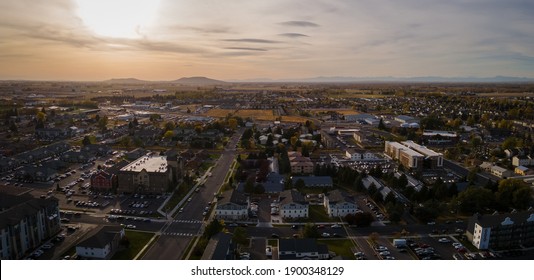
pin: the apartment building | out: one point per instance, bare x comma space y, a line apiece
502, 231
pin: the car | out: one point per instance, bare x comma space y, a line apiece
389, 258
204, 213
431, 223
335, 226
359, 254
130, 226
294, 227
320, 226
233, 225
325, 234
296, 236
47, 246
181, 210
444, 240
384, 253
459, 230
189, 199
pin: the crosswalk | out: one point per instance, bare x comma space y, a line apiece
178, 234
187, 221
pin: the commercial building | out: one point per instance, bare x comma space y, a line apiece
25, 221
150, 174
435, 159
502, 231
103, 181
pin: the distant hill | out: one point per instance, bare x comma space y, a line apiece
126, 81
429, 79
198, 81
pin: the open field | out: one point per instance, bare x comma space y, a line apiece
260, 115
339, 111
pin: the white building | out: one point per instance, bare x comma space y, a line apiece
501, 231
233, 206
292, 205
102, 244
339, 204
360, 155
500, 172
522, 160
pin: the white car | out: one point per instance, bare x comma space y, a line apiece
444, 240
335, 226
325, 234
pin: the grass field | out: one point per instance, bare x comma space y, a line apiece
339, 111
138, 240
342, 247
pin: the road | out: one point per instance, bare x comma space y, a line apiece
178, 233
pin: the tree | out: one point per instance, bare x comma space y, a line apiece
359, 219
86, 140
103, 123
168, 134
240, 236
214, 227
169, 126
381, 124
513, 193
475, 199
299, 184
232, 123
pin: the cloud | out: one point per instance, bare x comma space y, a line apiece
252, 40
247, 49
293, 35
298, 23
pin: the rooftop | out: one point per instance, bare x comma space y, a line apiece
422, 149
150, 163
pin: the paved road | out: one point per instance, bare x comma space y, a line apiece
177, 234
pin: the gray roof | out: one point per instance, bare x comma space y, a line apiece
15, 206
314, 180
291, 196
232, 196
488, 221
101, 236
337, 196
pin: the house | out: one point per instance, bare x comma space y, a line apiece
76, 157
96, 149
486, 166
501, 231
360, 155
35, 174
500, 172
406, 119
103, 181
339, 204
300, 164
26, 221
301, 249
274, 183
102, 243
220, 247
233, 206
523, 171
292, 205
51, 133
314, 181
522, 160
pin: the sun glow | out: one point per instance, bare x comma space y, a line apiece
118, 18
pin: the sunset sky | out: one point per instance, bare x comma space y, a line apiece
277, 39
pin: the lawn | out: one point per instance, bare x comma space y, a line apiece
138, 240
317, 213
342, 247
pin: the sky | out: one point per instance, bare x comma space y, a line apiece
276, 39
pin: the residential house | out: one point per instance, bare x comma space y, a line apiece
97, 150
314, 181
501, 231
523, 171
300, 164
25, 221
522, 160
76, 157
500, 172
233, 206
102, 243
301, 249
292, 205
339, 204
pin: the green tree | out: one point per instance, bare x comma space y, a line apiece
240, 236
214, 227
513, 193
475, 199
86, 140
168, 134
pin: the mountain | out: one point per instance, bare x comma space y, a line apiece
198, 81
126, 81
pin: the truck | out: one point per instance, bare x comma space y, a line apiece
399, 243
